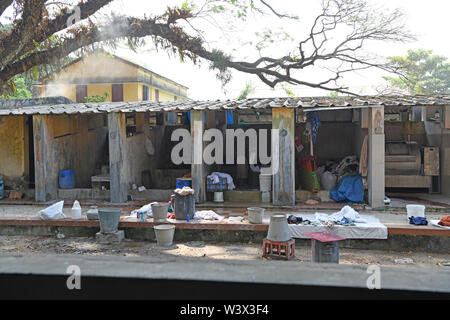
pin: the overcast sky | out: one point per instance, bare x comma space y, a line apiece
428, 20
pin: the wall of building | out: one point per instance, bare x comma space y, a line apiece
77, 143
14, 151
99, 90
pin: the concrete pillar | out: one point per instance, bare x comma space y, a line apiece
198, 168
118, 158
46, 173
376, 174
283, 156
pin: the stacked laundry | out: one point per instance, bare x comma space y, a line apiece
214, 176
330, 174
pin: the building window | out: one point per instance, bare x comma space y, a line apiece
145, 95
130, 120
117, 92
81, 93
156, 95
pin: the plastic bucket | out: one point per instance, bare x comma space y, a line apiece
66, 179
415, 210
184, 206
265, 182
255, 215
109, 219
218, 196
164, 234
159, 211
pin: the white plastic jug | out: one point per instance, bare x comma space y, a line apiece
76, 210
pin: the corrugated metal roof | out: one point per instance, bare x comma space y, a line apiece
306, 103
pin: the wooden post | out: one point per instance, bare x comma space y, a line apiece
283, 156
118, 158
376, 174
198, 169
46, 173
445, 117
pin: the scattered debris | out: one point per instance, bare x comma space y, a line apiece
60, 236
404, 261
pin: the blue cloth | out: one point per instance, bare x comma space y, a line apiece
313, 118
418, 220
349, 190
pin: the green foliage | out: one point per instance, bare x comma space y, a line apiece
19, 89
246, 91
425, 73
333, 94
219, 62
96, 98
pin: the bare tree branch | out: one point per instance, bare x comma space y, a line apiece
360, 22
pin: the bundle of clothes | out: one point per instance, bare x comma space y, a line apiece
347, 216
343, 180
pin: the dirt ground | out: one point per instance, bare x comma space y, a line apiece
249, 251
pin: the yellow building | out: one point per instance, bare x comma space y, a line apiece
122, 80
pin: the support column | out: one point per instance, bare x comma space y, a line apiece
118, 158
198, 168
283, 156
376, 173
46, 174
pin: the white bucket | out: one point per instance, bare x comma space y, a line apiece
218, 196
265, 182
255, 215
415, 210
164, 234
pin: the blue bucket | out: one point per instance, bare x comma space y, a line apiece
66, 179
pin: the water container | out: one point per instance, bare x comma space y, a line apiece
415, 210
76, 210
66, 179
109, 219
184, 206
2, 188
265, 182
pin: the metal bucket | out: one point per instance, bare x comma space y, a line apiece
109, 219
164, 234
278, 228
159, 211
255, 215
184, 206
327, 252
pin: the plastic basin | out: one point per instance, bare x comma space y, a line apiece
109, 219
164, 234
